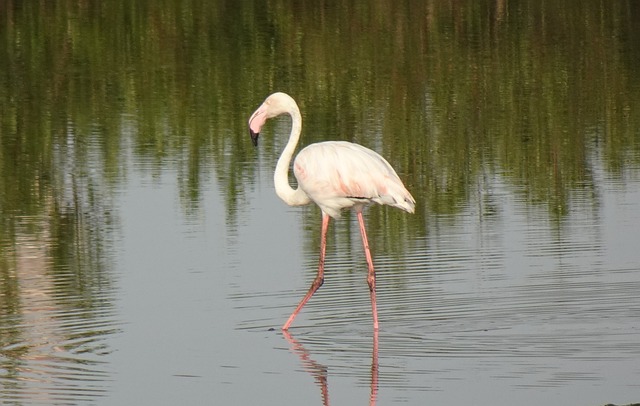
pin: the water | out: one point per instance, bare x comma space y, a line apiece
145, 258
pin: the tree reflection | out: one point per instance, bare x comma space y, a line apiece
446, 91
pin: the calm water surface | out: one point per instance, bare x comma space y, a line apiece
145, 258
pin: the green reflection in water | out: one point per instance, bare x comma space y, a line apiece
447, 92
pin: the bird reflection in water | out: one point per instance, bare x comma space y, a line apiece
319, 371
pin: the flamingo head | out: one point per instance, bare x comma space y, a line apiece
274, 105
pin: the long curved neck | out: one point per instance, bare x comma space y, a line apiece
293, 197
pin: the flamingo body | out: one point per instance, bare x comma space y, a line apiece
338, 175
335, 175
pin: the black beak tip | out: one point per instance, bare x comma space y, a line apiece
254, 138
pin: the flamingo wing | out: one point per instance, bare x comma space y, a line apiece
340, 174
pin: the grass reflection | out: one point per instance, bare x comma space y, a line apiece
447, 92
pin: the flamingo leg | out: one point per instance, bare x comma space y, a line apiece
371, 277
319, 280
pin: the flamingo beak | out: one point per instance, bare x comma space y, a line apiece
254, 137
255, 124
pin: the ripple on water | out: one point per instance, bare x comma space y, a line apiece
533, 312
53, 330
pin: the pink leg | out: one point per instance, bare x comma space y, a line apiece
319, 280
371, 277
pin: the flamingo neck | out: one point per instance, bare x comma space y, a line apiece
293, 197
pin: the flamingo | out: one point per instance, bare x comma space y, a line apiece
335, 175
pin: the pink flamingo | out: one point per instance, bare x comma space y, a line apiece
335, 175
